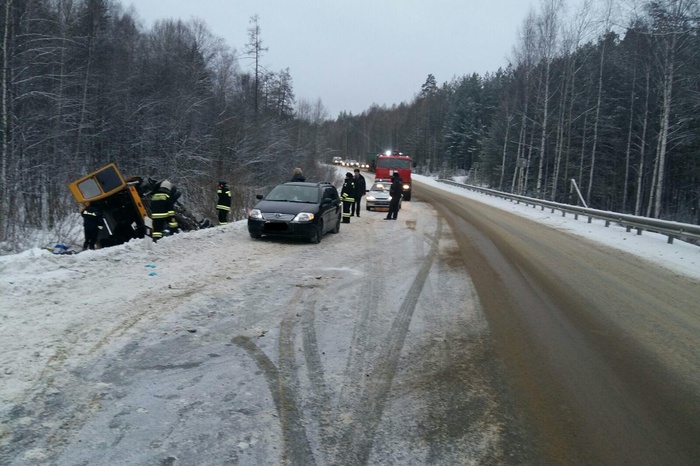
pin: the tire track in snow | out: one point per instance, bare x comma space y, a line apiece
357, 439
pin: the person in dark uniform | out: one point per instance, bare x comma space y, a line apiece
92, 224
223, 204
298, 175
347, 195
360, 190
395, 193
162, 210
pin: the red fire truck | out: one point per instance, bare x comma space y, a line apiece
391, 162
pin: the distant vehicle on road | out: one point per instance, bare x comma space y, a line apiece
302, 210
378, 195
337, 160
395, 162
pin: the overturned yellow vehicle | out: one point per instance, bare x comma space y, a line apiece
124, 205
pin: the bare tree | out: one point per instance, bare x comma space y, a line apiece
672, 31
606, 23
5, 122
548, 33
525, 58
254, 49
573, 36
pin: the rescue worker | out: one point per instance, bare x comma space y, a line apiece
298, 175
395, 193
223, 204
347, 195
360, 190
92, 224
162, 211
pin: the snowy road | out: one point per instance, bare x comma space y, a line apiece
420, 341
213, 348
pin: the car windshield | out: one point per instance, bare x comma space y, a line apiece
290, 193
393, 163
383, 186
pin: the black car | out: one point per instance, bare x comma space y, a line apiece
305, 210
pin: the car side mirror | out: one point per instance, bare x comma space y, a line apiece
258, 196
326, 201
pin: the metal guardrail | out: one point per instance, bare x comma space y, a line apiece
673, 230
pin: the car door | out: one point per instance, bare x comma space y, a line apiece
330, 214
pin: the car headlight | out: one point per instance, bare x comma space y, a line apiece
303, 217
406, 187
371, 198
256, 214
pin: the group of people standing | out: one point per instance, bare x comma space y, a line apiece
354, 187
162, 205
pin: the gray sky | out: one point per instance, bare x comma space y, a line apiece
353, 53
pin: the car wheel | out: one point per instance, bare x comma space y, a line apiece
368, 208
407, 197
255, 235
337, 227
318, 234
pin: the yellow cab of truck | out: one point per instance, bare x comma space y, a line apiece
124, 212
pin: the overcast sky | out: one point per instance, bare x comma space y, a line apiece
353, 53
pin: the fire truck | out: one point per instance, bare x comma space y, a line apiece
392, 162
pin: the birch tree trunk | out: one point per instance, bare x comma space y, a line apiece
5, 155
595, 124
548, 34
642, 147
628, 148
669, 71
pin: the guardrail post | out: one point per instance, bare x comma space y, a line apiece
670, 239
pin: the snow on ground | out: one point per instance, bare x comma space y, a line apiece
54, 302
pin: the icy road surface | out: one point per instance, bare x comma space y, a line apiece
213, 348
456, 335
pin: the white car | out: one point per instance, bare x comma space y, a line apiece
378, 196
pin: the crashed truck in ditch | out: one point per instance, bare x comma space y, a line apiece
124, 203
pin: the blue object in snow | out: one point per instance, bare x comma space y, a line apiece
60, 249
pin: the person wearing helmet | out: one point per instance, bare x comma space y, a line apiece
163, 211
347, 195
223, 204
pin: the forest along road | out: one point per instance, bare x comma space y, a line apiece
601, 348
455, 335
